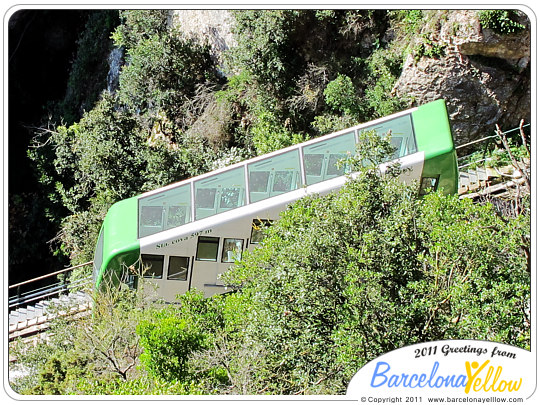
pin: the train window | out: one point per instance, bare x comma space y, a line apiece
230, 197
178, 268
205, 198
219, 193
321, 158
176, 216
281, 171
207, 248
428, 184
151, 216
257, 228
401, 134
335, 165
258, 182
164, 210
232, 250
152, 265
313, 164
283, 181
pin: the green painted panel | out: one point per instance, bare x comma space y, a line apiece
434, 137
443, 167
120, 244
432, 129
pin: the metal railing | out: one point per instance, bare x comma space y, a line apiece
51, 290
477, 141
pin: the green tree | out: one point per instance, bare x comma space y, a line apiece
343, 278
162, 69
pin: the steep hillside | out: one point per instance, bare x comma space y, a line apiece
199, 89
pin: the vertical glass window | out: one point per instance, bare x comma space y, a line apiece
274, 176
178, 268
321, 158
207, 248
165, 210
232, 250
220, 192
257, 228
401, 134
152, 265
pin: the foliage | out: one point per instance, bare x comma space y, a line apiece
344, 278
340, 95
162, 68
501, 21
173, 335
266, 46
383, 70
428, 48
167, 342
105, 157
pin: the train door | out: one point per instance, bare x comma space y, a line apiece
214, 256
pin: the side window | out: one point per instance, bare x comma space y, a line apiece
274, 175
207, 248
257, 228
152, 266
321, 158
401, 134
178, 268
232, 250
220, 192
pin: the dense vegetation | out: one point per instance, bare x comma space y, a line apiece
339, 279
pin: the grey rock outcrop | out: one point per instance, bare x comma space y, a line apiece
483, 76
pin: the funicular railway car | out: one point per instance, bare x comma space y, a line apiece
188, 233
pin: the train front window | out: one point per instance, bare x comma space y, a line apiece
152, 266
178, 268
207, 248
401, 134
232, 250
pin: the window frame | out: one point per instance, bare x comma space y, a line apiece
169, 268
225, 245
214, 240
262, 223
162, 259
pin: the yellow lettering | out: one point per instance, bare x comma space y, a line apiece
470, 375
490, 382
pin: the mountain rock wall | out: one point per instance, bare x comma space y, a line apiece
483, 76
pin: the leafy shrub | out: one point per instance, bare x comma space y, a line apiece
167, 342
501, 21
340, 95
343, 278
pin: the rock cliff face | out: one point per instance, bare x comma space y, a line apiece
483, 76
211, 26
